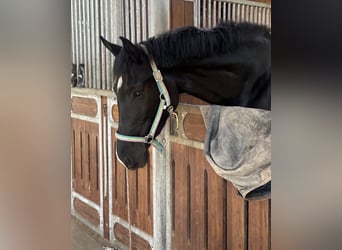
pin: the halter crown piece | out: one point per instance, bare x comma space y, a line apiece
164, 104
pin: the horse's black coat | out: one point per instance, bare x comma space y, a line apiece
227, 65
190, 43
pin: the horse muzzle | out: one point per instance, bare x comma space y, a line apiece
132, 155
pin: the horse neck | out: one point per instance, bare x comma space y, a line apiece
224, 80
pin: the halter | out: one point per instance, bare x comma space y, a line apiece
164, 104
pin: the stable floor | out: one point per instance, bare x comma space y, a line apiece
83, 238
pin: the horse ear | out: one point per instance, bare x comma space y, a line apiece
115, 49
132, 50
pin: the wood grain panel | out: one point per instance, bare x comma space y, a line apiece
115, 113
189, 99
236, 220
142, 217
198, 226
181, 196
87, 212
119, 184
199, 210
216, 205
85, 160
121, 233
259, 225
188, 13
177, 13
194, 127
84, 106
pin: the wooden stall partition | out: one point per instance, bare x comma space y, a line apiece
87, 162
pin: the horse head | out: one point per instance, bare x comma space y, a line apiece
138, 98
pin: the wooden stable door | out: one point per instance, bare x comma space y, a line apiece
87, 201
99, 188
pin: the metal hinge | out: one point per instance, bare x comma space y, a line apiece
77, 76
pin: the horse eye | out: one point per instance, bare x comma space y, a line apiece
138, 93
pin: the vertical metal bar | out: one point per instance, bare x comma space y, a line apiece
92, 38
103, 8
127, 33
115, 16
101, 163
196, 21
132, 16
108, 34
160, 16
73, 32
84, 41
224, 17
198, 14
214, 14
97, 45
219, 11
76, 34
85, 36
204, 13
144, 20
102, 47
234, 12
89, 66
159, 200
80, 32
149, 18
209, 14
138, 14
229, 17
123, 11
269, 17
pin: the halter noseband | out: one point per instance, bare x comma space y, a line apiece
164, 104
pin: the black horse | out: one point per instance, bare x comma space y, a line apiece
229, 65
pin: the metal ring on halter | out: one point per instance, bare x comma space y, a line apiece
149, 139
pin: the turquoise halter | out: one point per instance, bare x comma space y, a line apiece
164, 104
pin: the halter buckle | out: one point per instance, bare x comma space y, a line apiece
149, 139
158, 77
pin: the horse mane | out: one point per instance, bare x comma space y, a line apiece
185, 44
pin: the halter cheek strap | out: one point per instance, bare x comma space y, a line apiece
164, 104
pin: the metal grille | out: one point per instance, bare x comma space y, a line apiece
92, 63
136, 19
209, 12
